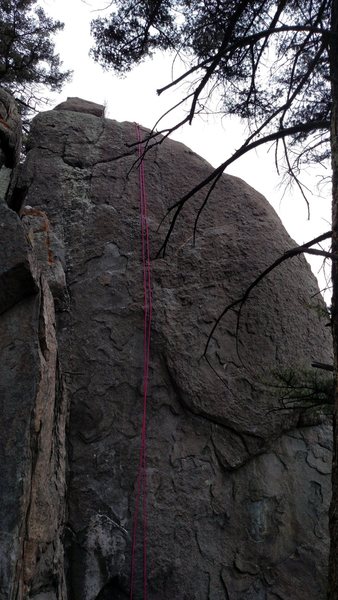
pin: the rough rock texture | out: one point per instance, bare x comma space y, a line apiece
33, 412
47, 252
10, 130
83, 106
32, 446
238, 491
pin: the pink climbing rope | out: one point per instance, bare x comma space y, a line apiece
141, 490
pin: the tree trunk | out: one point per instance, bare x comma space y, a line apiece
333, 564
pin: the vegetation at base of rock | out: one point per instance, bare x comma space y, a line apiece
28, 62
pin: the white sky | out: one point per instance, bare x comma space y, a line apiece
134, 98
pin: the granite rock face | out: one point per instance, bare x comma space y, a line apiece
82, 106
33, 413
237, 489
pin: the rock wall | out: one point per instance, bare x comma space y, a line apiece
33, 409
238, 490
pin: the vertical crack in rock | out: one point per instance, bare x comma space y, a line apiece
42, 563
33, 401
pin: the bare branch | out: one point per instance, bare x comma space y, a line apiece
216, 174
182, 77
304, 248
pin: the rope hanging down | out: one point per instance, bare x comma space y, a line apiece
141, 490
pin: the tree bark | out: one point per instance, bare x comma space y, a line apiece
333, 55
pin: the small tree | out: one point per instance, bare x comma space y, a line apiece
28, 62
274, 64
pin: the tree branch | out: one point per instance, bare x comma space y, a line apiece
304, 248
217, 173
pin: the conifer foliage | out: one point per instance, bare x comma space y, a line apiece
267, 59
28, 62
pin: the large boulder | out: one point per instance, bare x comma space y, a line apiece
83, 106
237, 486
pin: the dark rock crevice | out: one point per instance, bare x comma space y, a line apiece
112, 590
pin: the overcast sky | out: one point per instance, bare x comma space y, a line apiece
134, 98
